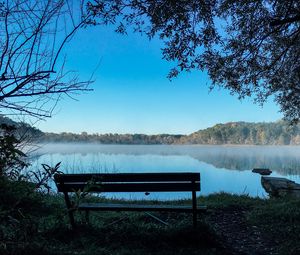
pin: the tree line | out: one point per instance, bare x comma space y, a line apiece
272, 133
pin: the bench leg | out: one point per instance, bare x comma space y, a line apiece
87, 216
194, 198
194, 219
70, 210
116, 221
156, 218
71, 216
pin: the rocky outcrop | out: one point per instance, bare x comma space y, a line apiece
280, 187
262, 171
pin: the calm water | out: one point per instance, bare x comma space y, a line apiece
222, 168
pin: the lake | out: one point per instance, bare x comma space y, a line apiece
222, 168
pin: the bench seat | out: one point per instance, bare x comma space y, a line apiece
138, 207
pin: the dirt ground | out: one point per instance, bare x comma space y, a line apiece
237, 235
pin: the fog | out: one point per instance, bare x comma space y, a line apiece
222, 168
282, 159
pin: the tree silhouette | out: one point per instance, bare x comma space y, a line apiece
251, 47
32, 37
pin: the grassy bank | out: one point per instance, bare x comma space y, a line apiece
34, 223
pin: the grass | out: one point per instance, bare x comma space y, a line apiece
34, 223
280, 221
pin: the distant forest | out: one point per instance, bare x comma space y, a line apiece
273, 133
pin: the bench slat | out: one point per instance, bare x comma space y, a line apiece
128, 177
138, 207
131, 187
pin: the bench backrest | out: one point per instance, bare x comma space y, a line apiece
128, 182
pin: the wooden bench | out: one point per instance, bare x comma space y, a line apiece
130, 182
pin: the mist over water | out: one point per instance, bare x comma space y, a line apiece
222, 168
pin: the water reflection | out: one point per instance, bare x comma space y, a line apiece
282, 159
222, 168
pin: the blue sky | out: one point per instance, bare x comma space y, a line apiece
132, 94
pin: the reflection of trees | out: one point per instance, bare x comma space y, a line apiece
282, 159
285, 165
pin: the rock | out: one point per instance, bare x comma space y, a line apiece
280, 187
262, 171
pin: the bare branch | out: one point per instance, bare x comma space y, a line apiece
31, 72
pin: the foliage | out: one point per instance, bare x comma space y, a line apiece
43, 229
110, 138
249, 47
20, 210
274, 133
23, 212
12, 159
40, 226
42, 178
20, 192
22, 130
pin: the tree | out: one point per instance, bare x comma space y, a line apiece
251, 47
32, 37
12, 159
